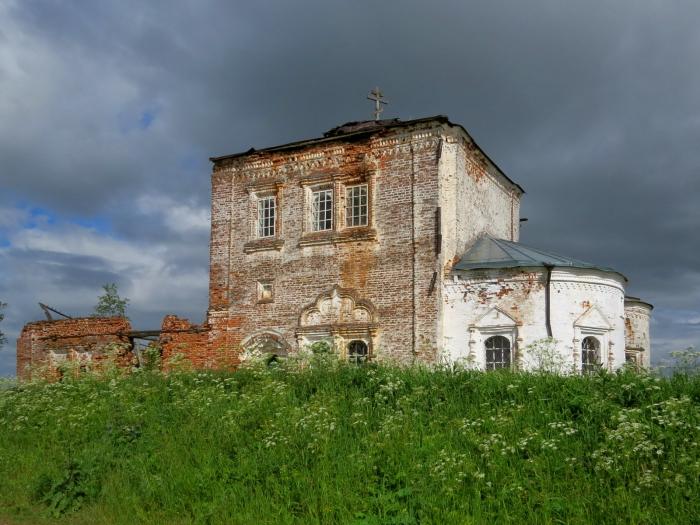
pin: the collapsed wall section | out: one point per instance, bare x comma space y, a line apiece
44, 347
193, 345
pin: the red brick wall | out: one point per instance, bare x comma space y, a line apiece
180, 339
402, 171
81, 338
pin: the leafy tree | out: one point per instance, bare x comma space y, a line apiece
3, 339
110, 304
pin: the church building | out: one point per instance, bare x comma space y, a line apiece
381, 240
399, 240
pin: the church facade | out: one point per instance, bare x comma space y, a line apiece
399, 240
380, 240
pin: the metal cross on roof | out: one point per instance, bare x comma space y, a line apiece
377, 96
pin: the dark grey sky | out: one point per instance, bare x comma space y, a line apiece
109, 111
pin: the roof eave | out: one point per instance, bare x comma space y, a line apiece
511, 266
320, 140
443, 119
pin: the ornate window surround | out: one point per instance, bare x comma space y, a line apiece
263, 190
338, 317
593, 323
494, 322
264, 340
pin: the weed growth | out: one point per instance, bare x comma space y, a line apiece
319, 441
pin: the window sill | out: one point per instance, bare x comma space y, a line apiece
336, 237
263, 245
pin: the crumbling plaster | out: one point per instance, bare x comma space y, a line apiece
520, 295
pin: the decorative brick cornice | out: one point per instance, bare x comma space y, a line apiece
293, 163
402, 145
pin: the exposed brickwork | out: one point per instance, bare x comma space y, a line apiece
44, 345
394, 264
181, 339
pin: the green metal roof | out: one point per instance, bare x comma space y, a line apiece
488, 252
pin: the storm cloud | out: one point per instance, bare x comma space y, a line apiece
109, 111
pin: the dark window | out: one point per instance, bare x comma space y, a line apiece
265, 292
497, 352
357, 351
590, 355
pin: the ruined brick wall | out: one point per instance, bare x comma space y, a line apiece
186, 344
44, 345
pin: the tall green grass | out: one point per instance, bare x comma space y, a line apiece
331, 443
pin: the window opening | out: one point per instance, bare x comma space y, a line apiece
357, 352
266, 216
356, 205
590, 361
322, 218
497, 352
265, 292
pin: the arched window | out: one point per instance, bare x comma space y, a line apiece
357, 351
590, 355
497, 352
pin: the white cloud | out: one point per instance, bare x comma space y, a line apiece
64, 264
11, 218
179, 217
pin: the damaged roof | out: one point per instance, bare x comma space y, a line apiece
358, 129
489, 252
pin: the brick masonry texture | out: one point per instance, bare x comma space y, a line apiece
43, 344
394, 264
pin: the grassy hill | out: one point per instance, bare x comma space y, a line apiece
333, 443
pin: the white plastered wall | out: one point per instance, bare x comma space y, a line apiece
583, 302
474, 199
